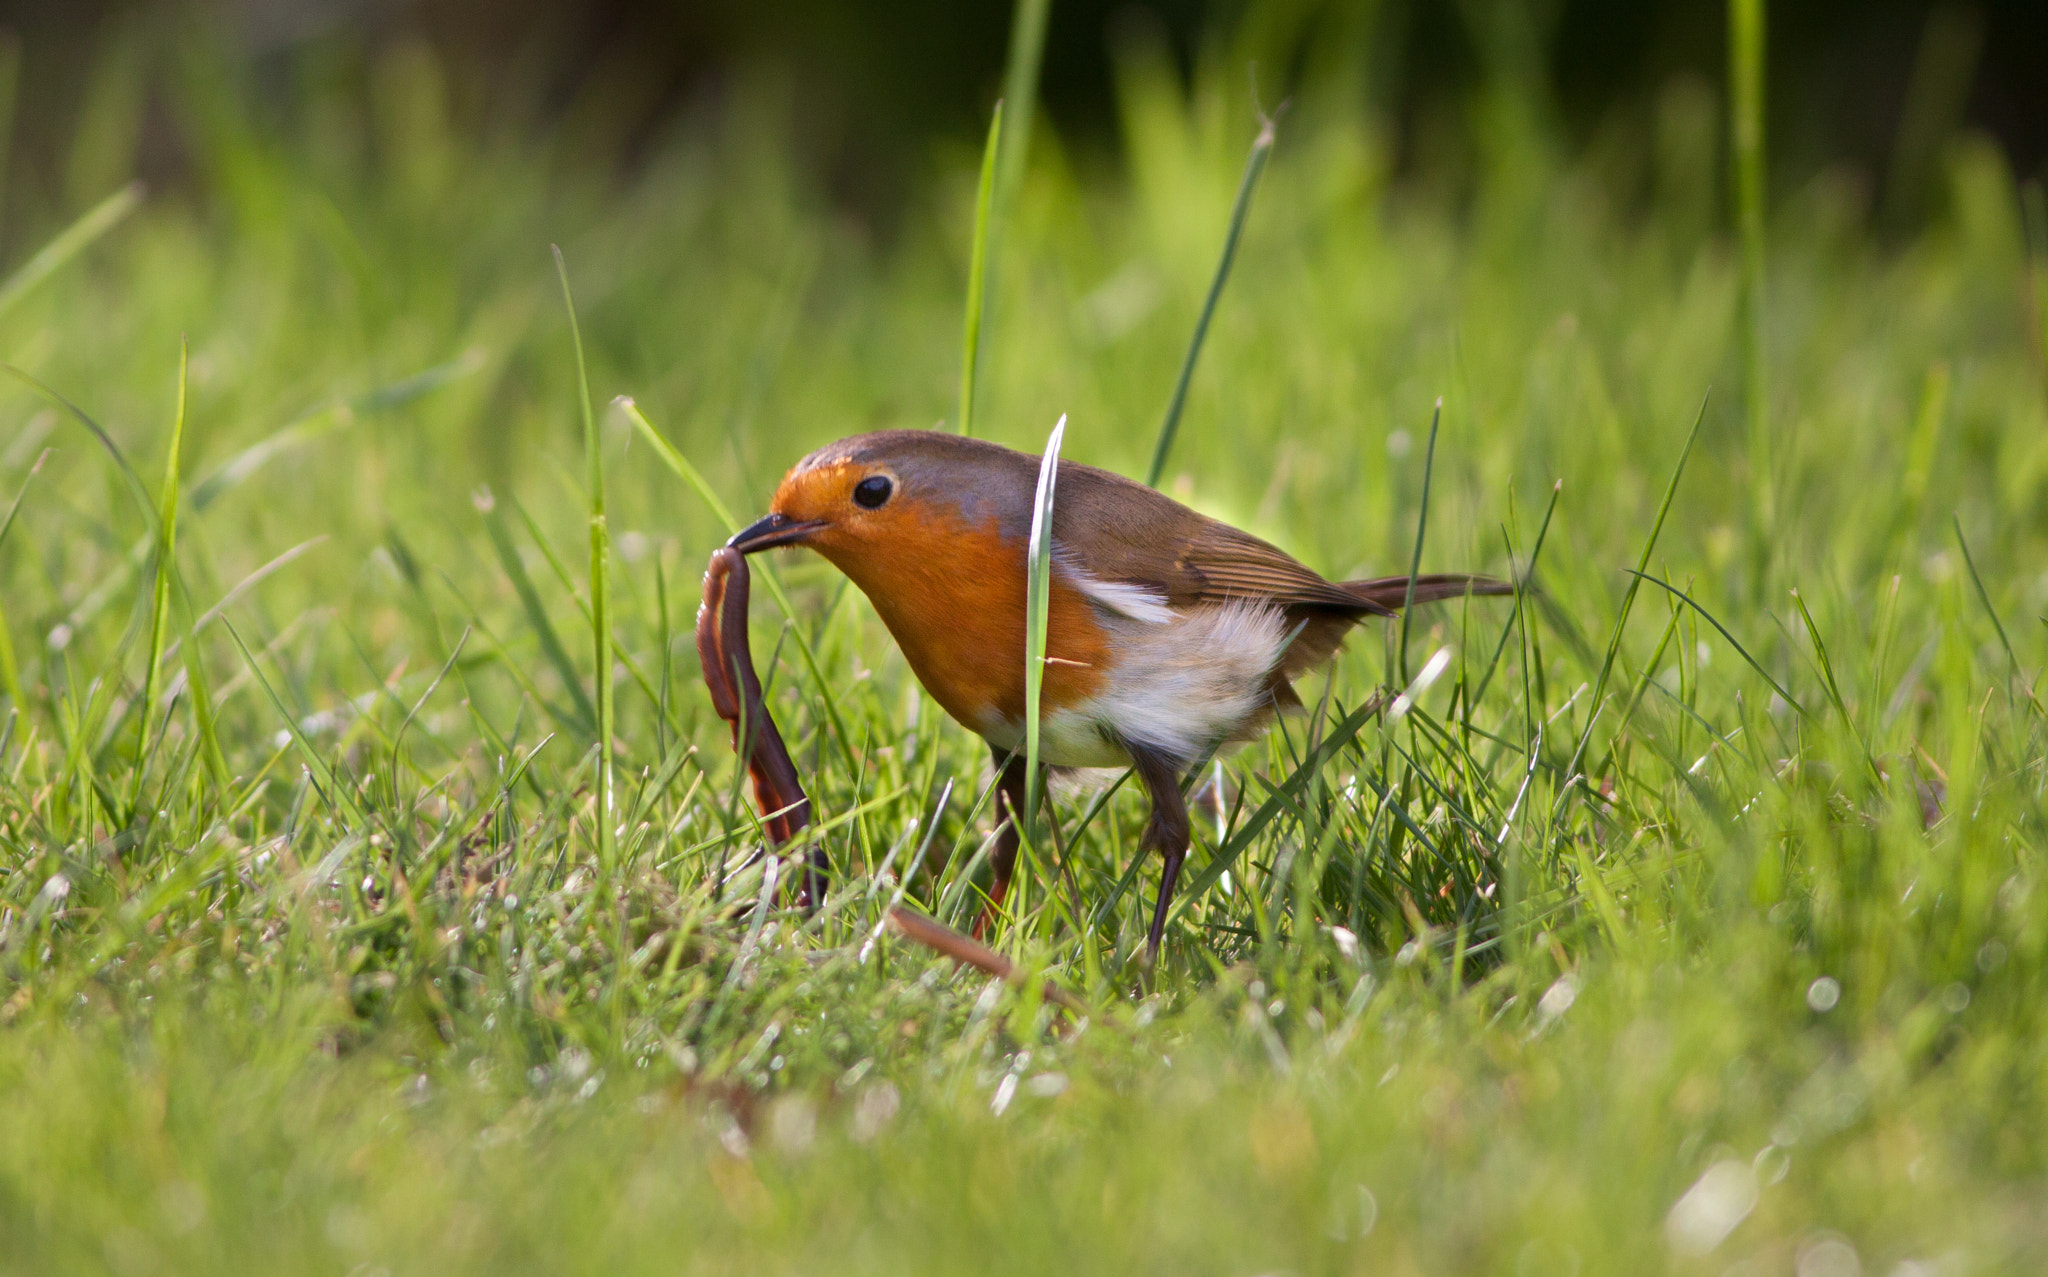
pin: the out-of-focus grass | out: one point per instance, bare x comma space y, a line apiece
1677, 974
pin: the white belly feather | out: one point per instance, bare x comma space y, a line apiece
1183, 681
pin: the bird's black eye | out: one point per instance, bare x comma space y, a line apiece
872, 491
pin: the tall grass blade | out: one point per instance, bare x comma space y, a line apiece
166, 567
1020, 90
585, 719
1937, 90
677, 462
600, 564
1254, 165
1522, 586
1746, 119
977, 266
1635, 582
200, 689
1733, 642
1984, 597
323, 419
339, 796
1436, 417
10, 101
2034, 210
1037, 612
1921, 453
14, 507
10, 670
1282, 797
69, 243
137, 490
1834, 690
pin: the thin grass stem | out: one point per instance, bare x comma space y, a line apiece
69, 243
600, 564
1628, 599
160, 587
1254, 165
1037, 613
1746, 46
977, 267
1436, 417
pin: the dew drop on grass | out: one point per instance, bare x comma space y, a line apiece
793, 1123
1823, 994
1719, 1200
1558, 998
1047, 1085
1828, 1256
1353, 1213
875, 1109
1772, 1164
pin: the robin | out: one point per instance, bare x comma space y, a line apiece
1169, 633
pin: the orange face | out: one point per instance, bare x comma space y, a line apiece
853, 505
951, 591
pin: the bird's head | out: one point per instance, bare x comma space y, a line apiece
891, 493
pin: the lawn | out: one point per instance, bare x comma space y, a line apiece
1685, 915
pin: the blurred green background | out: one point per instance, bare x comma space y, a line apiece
872, 87
1704, 938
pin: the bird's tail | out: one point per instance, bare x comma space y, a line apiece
1388, 593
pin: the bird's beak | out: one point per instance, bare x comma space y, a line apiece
772, 530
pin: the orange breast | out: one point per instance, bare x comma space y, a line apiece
952, 595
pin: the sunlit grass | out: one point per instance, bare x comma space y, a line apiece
317, 949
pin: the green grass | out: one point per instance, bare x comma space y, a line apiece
1664, 929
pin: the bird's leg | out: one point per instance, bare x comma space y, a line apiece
1167, 830
1002, 858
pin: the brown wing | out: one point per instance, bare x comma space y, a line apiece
1123, 531
1234, 564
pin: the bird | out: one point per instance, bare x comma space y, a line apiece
1169, 635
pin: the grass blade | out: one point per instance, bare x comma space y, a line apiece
1254, 165
600, 563
14, 508
1834, 691
1037, 611
10, 102
1740, 650
136, 488
676, 461
1283, 795
537, 616
977, 266
2034, 213
1746, 110
1628, 600
1436, 417
10, 671
1984, 597
1020, 90
1523, 586
69, 243
160, 588
338, 796
322, 419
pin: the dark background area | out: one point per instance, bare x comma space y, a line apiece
872, 83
